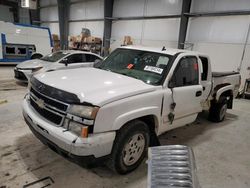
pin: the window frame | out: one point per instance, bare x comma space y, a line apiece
95, 56
73, 55
205, 68
175, 69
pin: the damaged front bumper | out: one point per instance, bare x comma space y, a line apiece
66, 143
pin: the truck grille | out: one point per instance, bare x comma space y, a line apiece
61, 106
171, 166
52, 110
47, 114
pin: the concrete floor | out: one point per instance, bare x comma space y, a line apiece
222, 150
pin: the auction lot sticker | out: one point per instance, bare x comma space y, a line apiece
153, 69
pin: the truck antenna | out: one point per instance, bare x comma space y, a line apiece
163, 48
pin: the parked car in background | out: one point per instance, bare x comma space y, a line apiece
66, 59
116, 111
20, 42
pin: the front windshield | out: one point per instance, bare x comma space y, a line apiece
143, 65
53, 57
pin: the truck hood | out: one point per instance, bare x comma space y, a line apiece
32, 64
95, 86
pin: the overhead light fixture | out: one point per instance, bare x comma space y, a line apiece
25, 3
31, 4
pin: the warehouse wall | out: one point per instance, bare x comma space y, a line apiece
87, 9
158, 32
50, 14
6, 14
24, 16
222, 38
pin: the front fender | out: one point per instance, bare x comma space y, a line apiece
135, 114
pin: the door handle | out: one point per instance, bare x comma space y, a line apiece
198, 93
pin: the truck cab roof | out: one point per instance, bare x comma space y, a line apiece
167, 51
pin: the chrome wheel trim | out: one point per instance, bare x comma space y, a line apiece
133, 149
223, 111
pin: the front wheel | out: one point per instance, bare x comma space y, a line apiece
218, 110
130, 147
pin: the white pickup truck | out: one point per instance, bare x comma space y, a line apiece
117, 110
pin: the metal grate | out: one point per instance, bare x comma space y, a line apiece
171, 167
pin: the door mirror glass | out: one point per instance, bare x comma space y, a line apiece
97, 62
65, 62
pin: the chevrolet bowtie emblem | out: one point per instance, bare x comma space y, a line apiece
40, 103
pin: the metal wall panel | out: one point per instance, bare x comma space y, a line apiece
54, 27
5, 14
132, 28
228, 29
163, 7
24, 16
96, 28
49, 14
47, 2
219, 5
87, 10
126, 8
161, 29
157, 32
160, 32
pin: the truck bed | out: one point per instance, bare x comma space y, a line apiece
221, 74
226, 78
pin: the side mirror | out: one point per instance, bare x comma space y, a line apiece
65, 62
97, 62
171, 84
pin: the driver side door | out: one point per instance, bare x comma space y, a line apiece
182, 99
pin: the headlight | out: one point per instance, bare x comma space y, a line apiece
36, 69
88, 112
78, 129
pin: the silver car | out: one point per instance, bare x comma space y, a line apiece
66, 59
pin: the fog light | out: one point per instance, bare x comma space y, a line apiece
78, 129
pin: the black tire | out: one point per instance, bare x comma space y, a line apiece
36, 56
217, 110
124, 135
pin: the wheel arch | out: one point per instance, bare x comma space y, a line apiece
152, 122
36, 54
226, 91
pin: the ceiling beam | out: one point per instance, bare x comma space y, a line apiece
186, 4
108, 12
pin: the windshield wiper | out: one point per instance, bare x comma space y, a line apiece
129, 75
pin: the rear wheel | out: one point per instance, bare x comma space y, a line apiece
130, 147
218, 110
